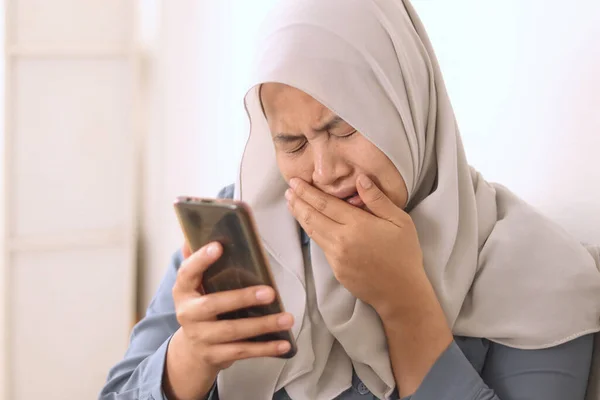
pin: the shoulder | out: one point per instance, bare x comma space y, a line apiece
227, 192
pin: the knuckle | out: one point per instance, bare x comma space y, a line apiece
182, 274
181, 316
300, 190
321, 204
292, 203
340, 243
201, 335
307, 217
229, 330
377, 195
210, 358
208, 306
240, 352
341, 239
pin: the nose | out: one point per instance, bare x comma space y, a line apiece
329, 167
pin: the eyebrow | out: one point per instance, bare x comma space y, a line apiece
325, 126
328, 125
287, 137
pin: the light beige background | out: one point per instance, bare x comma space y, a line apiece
114, 107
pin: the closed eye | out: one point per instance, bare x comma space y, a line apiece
302, 146
298, 149
290, 143
294, 144
346, 135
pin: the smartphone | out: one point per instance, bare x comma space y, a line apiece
243, 262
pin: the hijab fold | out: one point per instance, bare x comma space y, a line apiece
500, 269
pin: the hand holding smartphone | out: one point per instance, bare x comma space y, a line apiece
235, 277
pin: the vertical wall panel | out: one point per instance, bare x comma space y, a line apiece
69, 222
72, 145
68, 24
67, 314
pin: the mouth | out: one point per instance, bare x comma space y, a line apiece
355, 200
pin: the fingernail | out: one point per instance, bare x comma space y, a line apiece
293, 183
365, 182
264, 294
288, 194
285, 321
212, 250
283, 347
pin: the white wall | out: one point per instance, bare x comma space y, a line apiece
524, 81
69, 187
521, 75
200, 123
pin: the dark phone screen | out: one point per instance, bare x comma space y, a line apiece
240, 265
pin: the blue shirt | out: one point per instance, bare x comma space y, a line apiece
469, 369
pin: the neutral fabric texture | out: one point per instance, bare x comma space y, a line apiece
499, 268
469, 365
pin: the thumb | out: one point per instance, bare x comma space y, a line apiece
374, 198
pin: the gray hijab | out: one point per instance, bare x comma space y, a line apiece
500, 269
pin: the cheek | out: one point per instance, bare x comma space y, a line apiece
375, 163
294, 167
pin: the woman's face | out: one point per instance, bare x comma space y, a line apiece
314, 144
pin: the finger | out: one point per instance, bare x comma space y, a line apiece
315, 224
185, 250
330, 206
377, 201
189, 276
233, 330
229, 352
207, 307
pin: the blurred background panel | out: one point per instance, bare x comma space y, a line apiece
112, 108
66, 25
70, 194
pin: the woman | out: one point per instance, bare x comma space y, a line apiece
412, 277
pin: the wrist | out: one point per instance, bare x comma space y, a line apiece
417, 315
417, 336
413, 298
425, 325
185, 377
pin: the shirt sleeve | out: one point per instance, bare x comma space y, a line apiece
139, 375
556, 373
